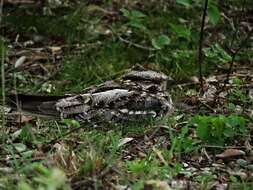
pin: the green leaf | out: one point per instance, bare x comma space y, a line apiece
186, 3
213, 14
181, 31
137, 14
132, 15
137, 24
203, 130
20, 147
24, 186
136, 166
125, 12
236, 121
217, 53
160, 41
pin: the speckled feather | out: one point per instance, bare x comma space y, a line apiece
137, 94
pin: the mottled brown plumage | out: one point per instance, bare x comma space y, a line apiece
138, 94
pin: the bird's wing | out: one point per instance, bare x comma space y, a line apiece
112, 104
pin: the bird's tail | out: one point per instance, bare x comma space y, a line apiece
34, 105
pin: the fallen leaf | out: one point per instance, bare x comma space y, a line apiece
124, 141
209, 94
24, 118
64, 157
181, 184
230, 153
20, 61
55, 49
157, 184
19, 147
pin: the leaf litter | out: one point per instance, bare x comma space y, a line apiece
219, 163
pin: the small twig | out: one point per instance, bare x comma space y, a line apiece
131, 43
203, 150
234, 53
237, 27
207, 106
200, 56
135, 44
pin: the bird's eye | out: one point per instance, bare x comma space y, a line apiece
86, 99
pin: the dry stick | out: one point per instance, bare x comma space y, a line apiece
130, 43
3, 75
135, 44
200, 57
234, 53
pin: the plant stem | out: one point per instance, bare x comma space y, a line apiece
200, 56
2, 75
234, 53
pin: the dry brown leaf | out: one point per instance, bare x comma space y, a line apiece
125, 141
64, 158
230, 153
20, 61
24, 119
159, 155
209, 95
157, 184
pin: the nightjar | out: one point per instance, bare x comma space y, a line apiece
136, 95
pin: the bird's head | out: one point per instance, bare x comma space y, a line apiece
148, 77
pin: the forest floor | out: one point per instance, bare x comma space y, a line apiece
206, 143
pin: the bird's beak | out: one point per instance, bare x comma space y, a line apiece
169, 82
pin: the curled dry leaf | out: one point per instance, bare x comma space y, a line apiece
121, 187
230, 153
194, 79
124, 141
182, 184
211, 79
64, 158
20, 61
55, 49
24, 119
209, 95
157, 184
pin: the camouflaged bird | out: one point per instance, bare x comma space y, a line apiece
138, 94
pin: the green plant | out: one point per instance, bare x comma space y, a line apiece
182, 143
213, 12
137, 167
160, 42
219, 129
44, 178
236, 93
135, 19
181, 31
216, 53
